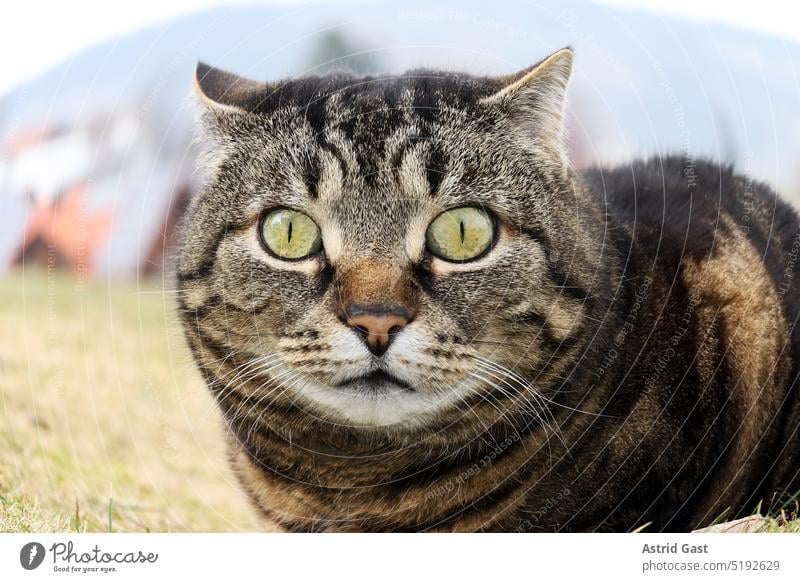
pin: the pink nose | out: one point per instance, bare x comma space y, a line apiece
377, 326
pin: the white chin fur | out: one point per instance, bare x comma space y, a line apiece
389, 407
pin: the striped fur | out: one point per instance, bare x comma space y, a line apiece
625, 354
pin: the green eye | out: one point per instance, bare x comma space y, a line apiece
460, 234
289, 234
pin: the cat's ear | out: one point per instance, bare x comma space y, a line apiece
535, 98
225, 93
223, 99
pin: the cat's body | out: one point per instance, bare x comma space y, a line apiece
625, 352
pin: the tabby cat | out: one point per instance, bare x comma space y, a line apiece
416, 316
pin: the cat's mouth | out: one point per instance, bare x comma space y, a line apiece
375, 379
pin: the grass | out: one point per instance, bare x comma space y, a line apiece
104, 423
773, 525
782, 518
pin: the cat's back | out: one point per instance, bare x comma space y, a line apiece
675, 214
689, 205
723, 254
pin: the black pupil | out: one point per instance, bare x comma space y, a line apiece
290, 233
461, 226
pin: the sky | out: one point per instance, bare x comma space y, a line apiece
36, 35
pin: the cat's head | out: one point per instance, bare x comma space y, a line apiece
383, 250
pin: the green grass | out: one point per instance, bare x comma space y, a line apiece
782, 518
104, 422
774, 525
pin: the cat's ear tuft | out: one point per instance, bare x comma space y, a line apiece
536, 97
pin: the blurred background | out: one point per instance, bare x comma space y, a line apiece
95, 160
105, 425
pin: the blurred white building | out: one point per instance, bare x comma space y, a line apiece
100, 197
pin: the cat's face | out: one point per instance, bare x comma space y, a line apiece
379, 251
